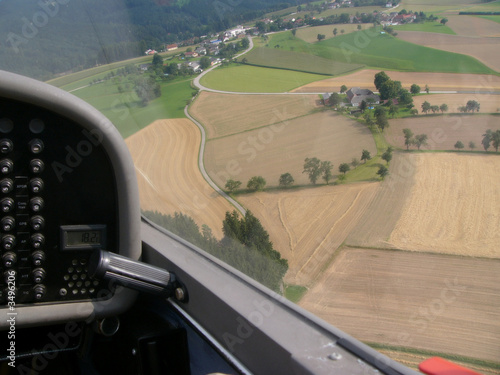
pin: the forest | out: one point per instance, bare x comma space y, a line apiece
245, 245
61, 36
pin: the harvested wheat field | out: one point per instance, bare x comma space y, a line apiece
482, 48
273, 150
473, 26
307, 225
310, 34
165, 155
226, 114
379, 219
443, 131
453, 208
479, 83
434, 302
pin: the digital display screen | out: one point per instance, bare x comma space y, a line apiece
81, 237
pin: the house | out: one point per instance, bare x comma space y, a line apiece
325, 97
356, 95
171, 47
191, 54
150, 52
144, 67
201, 50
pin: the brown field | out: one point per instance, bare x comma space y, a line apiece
473, 26
436, 81
482, 48
273, 150
310, 34
443, 131
434, 302
489, 103
165, 154
307, 225
377, 224
458, 196
226, 114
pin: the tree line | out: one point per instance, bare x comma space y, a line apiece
245, 245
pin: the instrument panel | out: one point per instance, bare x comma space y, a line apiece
67, 187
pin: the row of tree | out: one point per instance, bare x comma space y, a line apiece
245, 246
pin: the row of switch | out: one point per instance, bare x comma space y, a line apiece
35, 185
35, 146
36, 166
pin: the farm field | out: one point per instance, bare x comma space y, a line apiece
246, 78
473, 26
421, 301
430, 27
298, 61
307, 225
482, 48
165, 154
489, 103
273, 150
310, 34
225, 114
458, 196
443, 131
436, 81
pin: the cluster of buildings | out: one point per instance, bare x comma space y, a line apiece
394, 18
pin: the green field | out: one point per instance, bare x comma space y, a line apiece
494, 6
124, 110
373, 49
246, 78
429, 27
303, 62
491, 18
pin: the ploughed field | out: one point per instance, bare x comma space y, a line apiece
165, 155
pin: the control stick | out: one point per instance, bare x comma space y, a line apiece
133, 274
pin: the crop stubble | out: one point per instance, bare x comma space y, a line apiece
165, 154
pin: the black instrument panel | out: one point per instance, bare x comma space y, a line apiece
57, 203
67, 187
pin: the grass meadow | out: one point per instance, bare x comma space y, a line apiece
124, 109
429, 27
246, 78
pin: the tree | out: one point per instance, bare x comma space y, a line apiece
368, 119
443, 108
459, 145
383, 171
393, 110
294, 31
205, 62
408, 138
256, 183
414, 111
344, 167
232, 185
321, 37
326, 171
359, 27
343, 89
286, 180
487, 139
380, 79
495, 140
389, 89
426, 107
147, 89
443, 21
415, 89
157, 60
365, 155
405, 97
472, 106
472, 145
312, 166
434, 108
335, 32
363, 106
381, 119
387, 156
354, 162
334, 100
420, 140
427, 89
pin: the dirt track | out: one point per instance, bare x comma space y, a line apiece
165, 155
437, 81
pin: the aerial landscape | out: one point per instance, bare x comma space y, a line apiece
363, 135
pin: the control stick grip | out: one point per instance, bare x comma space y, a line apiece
133, 274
